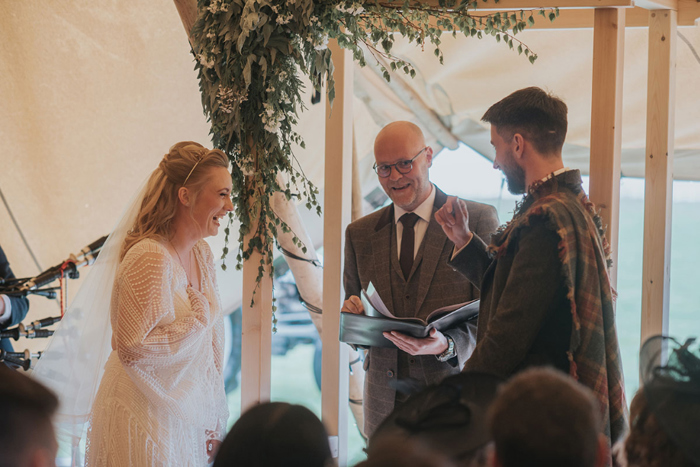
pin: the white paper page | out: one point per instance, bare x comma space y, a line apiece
375, 300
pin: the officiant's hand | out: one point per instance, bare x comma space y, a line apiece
453, 217
434, 344
353, 305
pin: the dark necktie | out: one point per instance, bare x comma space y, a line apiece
407, 242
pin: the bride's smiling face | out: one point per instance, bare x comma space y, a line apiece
213, 202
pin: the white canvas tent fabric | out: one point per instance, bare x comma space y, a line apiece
92, 94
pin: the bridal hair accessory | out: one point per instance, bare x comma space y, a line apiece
199, 159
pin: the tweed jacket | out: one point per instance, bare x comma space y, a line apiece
371, 256
546, 298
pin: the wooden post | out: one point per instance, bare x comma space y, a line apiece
256, 331
256, 319
661, 98
336, 216
606, 121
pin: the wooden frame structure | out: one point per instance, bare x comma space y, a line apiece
608, 18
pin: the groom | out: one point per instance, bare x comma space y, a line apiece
403, 252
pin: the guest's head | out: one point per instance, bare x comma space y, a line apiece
26, 429
397, 451
665, 413
402, 160
279, 434
528, 129
543, 418
190, 189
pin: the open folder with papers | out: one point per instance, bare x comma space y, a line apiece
366, 329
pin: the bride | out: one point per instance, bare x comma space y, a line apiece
161, 399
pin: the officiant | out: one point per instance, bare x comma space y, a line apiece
403, 252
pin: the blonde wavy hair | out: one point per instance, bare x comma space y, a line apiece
186, 164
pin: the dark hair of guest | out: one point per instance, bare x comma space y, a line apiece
543, 418
26, 410
279, 434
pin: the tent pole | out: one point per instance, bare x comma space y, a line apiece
606, 121
336, 217
661, 98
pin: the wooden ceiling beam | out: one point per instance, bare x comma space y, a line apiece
527, 4
583, 18
577, 14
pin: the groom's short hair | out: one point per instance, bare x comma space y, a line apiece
538, 116
26, 411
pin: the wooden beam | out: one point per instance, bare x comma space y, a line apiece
661, 98
256, 334
688, 15
336, 217
688, 12
188, 14
657, 4
525, 4
606, 121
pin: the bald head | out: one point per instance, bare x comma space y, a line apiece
404, 141
399, 131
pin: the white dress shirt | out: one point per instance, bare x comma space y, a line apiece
424, 211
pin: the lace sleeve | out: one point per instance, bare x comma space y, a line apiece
152, 343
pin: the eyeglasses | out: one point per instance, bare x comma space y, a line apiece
402, 167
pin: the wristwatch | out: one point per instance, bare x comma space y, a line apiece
450, 352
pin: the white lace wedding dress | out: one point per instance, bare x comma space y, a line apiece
162, 394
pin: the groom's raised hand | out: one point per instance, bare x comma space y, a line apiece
453, 217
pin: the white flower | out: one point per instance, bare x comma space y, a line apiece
354, 9
322, 44
211, 35
272, 126
206, 62
213, 6
229, 98
313, 19
284, 19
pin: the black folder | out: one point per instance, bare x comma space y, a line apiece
367, 330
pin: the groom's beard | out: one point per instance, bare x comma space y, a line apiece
515, 175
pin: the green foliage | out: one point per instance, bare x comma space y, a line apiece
250, 54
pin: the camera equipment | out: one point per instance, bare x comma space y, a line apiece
69, 267
20, 359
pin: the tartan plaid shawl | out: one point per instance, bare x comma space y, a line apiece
594, 353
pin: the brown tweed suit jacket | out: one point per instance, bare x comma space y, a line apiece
371, 256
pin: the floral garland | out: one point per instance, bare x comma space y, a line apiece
250, 54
